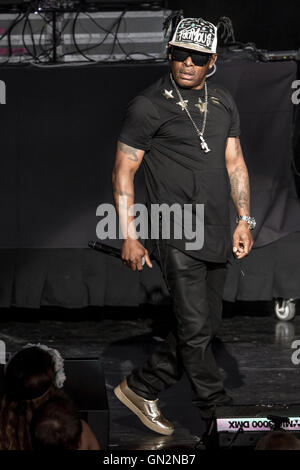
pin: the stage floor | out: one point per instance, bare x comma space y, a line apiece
253, 350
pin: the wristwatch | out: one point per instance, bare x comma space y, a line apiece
250, 220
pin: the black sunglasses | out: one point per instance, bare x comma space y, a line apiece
198, 58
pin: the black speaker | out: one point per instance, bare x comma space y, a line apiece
86, 385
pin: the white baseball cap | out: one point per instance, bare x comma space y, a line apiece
196, 34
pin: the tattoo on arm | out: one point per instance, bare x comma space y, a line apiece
240, 191
243, 200
239, 179
130, 151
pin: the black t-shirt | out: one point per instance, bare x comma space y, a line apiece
176, 168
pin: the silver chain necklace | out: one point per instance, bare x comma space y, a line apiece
183, 104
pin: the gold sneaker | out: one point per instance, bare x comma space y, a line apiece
146, 410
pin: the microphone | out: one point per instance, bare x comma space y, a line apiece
108, 249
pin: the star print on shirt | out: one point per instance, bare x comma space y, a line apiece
168, 94
200, 105
215, 100
183, 104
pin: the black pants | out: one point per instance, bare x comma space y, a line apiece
196, 288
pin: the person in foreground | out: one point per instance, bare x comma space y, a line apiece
278, 440
185, 131
30, 380
57, 426
34, 377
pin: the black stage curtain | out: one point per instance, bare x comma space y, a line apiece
59, 130
267, 272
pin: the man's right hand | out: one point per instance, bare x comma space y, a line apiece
132, 254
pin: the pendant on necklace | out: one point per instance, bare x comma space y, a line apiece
204, 145
183, 104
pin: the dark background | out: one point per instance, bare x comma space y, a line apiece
59, 130
58, 134
271, 25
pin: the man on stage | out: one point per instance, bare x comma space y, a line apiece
186, 133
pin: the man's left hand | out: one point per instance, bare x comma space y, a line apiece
242, 240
